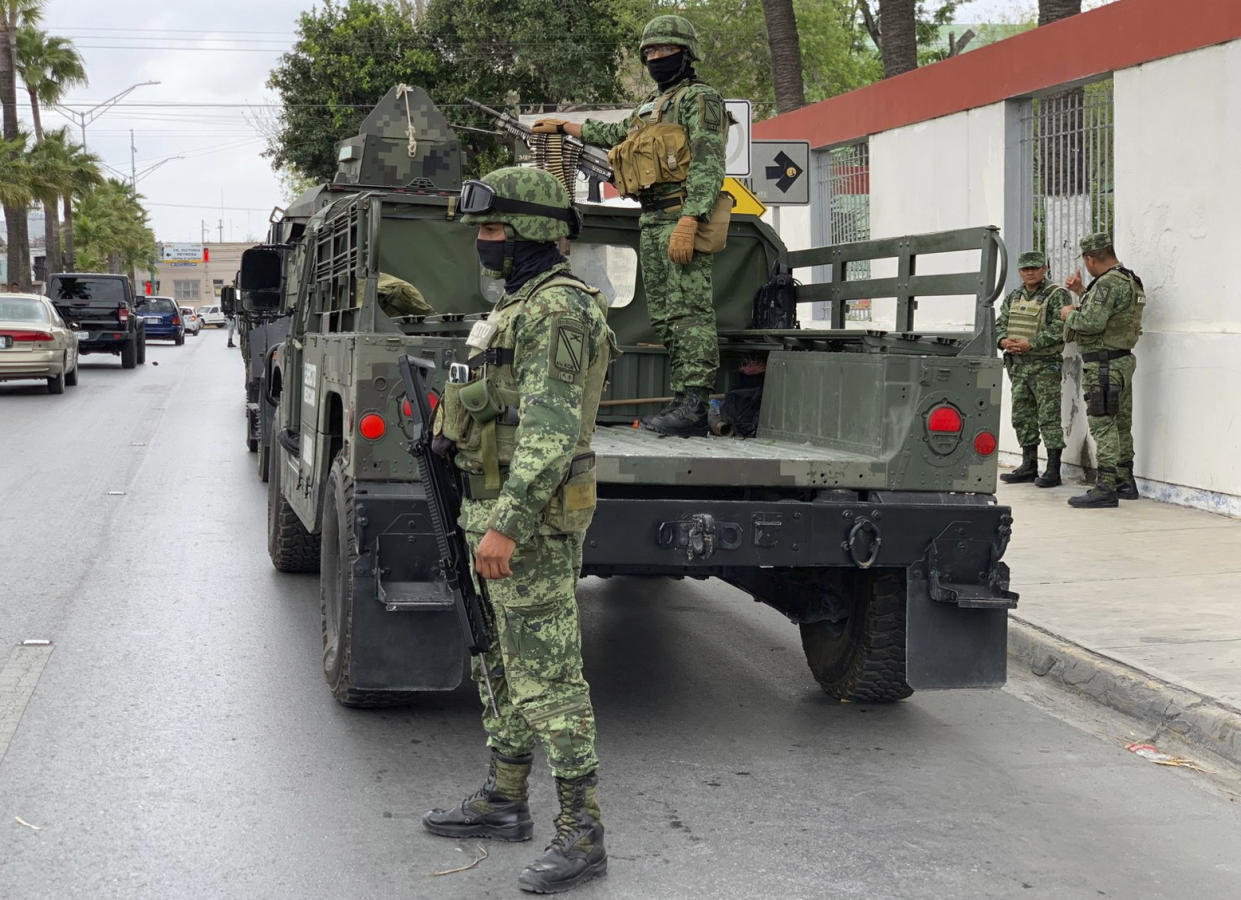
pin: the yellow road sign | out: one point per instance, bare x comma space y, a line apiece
744, 200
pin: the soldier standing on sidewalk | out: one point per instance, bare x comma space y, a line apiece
1031, 334
522, 427
674, 142
1106, 327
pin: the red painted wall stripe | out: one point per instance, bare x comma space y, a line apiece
1117, 36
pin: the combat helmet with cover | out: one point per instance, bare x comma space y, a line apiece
668, 29
532, 202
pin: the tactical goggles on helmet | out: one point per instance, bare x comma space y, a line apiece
479, 198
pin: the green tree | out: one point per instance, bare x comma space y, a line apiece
14, 173
51, 172
112, 229
84, 176
347, 56
49, 66
14, 14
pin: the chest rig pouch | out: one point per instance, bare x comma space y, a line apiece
655, 152
1026, 315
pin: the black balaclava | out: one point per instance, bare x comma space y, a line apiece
528, 258
667, 70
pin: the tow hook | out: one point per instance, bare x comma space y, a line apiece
699, 535
863, 543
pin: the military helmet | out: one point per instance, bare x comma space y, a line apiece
675, 30
532, 201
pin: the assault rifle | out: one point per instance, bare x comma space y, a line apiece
441, 484
591, 161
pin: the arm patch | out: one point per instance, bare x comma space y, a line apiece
711, 113
566, 361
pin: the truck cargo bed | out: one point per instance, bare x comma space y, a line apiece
626, 455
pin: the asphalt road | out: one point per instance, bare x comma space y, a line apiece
179, 740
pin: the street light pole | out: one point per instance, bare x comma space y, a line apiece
84, 118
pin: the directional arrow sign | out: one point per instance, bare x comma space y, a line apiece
778, 172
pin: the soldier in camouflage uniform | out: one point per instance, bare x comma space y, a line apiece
686, 120
1106, 327
522, 426
1031, 335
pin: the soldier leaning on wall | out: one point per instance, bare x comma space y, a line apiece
1107, 326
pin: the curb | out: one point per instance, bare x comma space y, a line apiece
1195, 718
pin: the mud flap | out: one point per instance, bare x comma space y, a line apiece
959, 640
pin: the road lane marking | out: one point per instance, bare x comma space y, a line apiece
17, 682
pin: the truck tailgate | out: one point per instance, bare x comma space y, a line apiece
626, 455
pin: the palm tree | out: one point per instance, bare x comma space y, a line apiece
14, 14
1053, 10
785, 48
51, 177
84, 176
14, 173
114, 231
49, 66
899, 44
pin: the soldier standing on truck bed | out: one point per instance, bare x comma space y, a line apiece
1106, 327
669, 154
522, 426
1031, 334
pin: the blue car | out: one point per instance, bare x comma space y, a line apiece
162, 318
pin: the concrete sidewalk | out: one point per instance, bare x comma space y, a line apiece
1137, 607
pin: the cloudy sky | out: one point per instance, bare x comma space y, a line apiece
212, 60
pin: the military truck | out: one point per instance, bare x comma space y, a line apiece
863, 509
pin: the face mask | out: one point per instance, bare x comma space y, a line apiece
666, 68
491, 255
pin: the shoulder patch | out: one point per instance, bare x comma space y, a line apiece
566, 359
711, 112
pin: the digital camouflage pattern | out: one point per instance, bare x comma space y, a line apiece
397, 297
561, 346
674, 30
380, 154
532, 186
1092, 243
1036, 375
1032, 259
679, 298
1109, 318
1113, 435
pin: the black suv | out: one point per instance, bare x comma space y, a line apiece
101, 305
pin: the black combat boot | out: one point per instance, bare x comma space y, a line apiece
1101, 496
1051, 476
1027, 471
686, 419
576, 853
1126, 484
496, 810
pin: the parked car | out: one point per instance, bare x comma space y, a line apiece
100, 306
36, 343
162, 317
189, 318
212, 315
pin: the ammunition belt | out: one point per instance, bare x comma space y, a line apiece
664, 203
1105, 355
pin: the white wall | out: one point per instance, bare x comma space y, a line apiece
1178, 184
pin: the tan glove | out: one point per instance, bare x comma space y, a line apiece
681, 244
549, 126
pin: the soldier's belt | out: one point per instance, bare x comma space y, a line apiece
474, 486
1105, 355
664, 203
495, 356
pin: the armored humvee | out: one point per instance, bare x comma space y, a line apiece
863, 509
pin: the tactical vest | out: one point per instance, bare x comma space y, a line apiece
1027, 314
1125, 325
655, 152
481, 416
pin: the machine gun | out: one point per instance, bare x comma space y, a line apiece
562, 155
441, 485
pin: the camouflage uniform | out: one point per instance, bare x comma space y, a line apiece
539, 363
1106, 327
679, 298
1036, 374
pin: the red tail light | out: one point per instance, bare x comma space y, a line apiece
433, 400
176, 320
122, 314
984, 443
371, 427
30, 336
944, 419
406, 410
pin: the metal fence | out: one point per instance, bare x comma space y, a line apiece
1067, 148
842, 180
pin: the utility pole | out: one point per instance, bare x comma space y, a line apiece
133, 162
82, 119
203, 230
221, 227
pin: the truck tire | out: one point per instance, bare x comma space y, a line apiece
264, 462
142, 347
862, 659
291, 547
129, 353
337, 560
